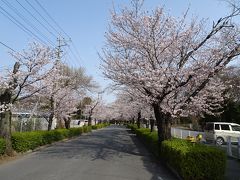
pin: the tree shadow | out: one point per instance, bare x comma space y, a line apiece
113, 143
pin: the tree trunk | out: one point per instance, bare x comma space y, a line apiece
6, 121
167, 126
89, 121
163, 124
60, 123
67, 122
151, 124
133, 121
5, 131
50, 121
139, 119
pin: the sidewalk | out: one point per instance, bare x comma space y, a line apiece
232, 169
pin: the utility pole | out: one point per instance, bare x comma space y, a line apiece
61, 43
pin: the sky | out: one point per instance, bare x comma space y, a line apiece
85, 22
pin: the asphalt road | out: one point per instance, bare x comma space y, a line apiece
107, 154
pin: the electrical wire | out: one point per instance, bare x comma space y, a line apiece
49, 24
50, 17
32, 15
75, 52
27, 21
7, 46
19, 24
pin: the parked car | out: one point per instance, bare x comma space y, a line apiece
219, 131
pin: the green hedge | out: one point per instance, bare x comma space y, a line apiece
191, 161
87, 129
25, 141
150, 139
194, 161
99, 126
2, 146
133, 127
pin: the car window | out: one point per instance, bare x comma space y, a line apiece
209, 126
235, 128
217, 127
225, 127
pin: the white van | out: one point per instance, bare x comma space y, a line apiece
219, 131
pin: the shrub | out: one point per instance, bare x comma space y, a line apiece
25, 141
2, 146
87, 129
99, 126
190, 160
22, 142
94, 127
150, 139
133, 127
194, 161
75, 131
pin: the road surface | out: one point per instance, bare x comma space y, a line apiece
107, 154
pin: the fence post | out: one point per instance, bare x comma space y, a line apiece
238, 147
181, 133
189, 133
21, 125
229, 146
174, 132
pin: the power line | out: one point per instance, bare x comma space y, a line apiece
19, 24
75, 53
41, 15
45, 27
32, 15
51, 18
26, 21
7, 46
76, 50
9, 18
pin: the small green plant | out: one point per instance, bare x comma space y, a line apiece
2, 146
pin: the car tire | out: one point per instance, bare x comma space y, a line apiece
219, 141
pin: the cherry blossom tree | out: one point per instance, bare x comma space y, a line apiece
170, 63
53, 84
128, 107
231, 78
21, 82
101, 112
64, 88
90, 107
66, 105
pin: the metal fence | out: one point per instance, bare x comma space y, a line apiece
182, 133
232, 150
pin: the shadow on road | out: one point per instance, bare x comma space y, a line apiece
114, 143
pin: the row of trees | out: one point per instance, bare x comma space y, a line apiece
171, 64
126, 108
39, 77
